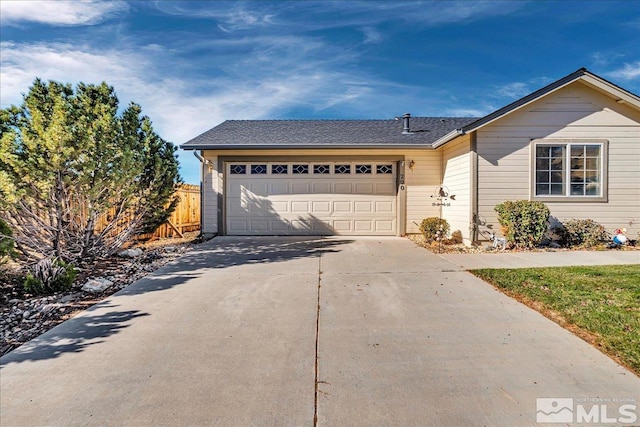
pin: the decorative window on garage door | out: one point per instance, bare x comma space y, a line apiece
238, 169
337, 169
258, 169
321, 169
279, 169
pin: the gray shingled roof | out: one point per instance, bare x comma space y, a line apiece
325, 133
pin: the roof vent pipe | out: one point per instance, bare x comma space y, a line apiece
405, 124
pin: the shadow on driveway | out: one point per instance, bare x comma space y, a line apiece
78, 333
225, 252
73, 336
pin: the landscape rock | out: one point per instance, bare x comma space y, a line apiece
24, 318
96, 286
68, 298
130, 253
47, 308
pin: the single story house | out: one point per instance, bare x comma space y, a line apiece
574, 145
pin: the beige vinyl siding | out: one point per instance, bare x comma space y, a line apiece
573, 112
421, 182
456, 176
211, 190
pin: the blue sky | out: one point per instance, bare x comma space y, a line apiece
192, 65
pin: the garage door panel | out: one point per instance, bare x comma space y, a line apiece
322, 207
238, 225
235, 188
299, 207
259, 188
385, 188
385, 207
383, 226
288, 203
363, 225
300, 187
342, 207
280, 226
343, 226
259, 225
278, 187
281, 206
363, 207
342, 188
235, 206
321, 187
301, 224
363, 188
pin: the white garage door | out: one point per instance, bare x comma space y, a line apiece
282, 198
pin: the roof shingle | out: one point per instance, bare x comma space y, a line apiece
325, 133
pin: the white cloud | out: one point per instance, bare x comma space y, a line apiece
317, 15
276, 75
182, 106
605, 58
231, 16
468, 112
629, 71
22, 63
58, 12
371, 35
513, 90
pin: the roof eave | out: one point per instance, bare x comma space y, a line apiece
448, 137
583, 74
301, 147
524, 101
623, 96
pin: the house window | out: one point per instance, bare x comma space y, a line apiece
571, 169
550, 167
586, 175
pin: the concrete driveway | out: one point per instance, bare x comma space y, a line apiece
279, 331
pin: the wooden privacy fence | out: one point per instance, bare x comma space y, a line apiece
185, 218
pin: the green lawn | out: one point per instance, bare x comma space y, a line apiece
600, 303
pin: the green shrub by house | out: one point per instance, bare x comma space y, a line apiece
50, 275
583, 232
524, 222
434, 228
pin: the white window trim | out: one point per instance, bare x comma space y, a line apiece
604, 160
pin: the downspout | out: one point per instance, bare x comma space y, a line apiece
442, 169
473, 142
202, 162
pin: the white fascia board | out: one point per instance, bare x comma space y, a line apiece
448, 137
621, 96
